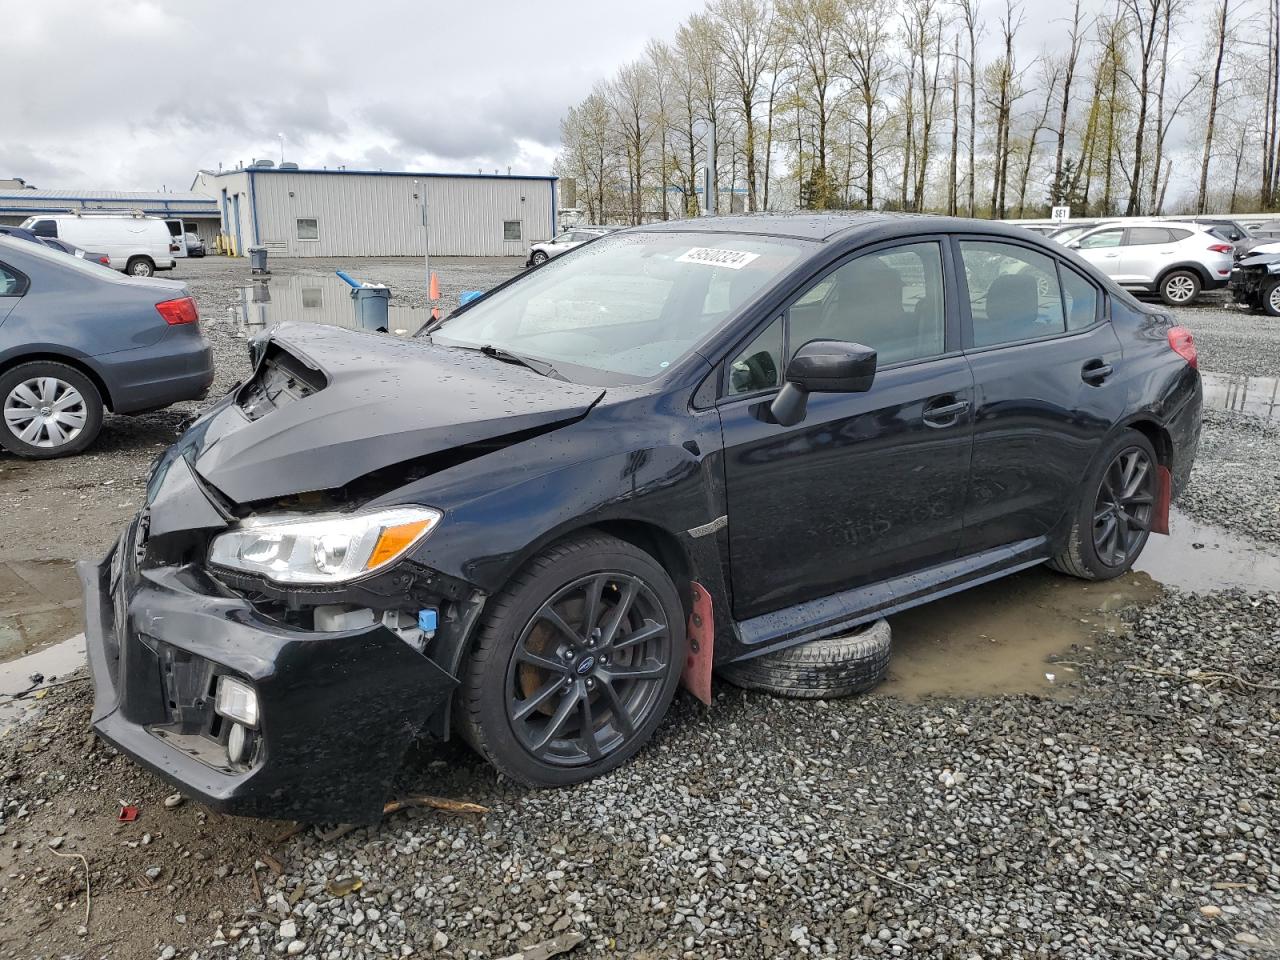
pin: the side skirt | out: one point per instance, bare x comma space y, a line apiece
835, 614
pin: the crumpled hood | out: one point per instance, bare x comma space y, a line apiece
374, 401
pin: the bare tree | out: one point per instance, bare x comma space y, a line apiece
1222, 28
867, 41
813, 34
1145, 19
1004, 89
1076, 40
973, 30
744, 35
1050, 72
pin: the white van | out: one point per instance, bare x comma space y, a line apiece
136, 245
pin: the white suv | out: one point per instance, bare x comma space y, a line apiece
544, 251
1174, 260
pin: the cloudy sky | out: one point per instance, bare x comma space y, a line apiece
135, 94
139, 94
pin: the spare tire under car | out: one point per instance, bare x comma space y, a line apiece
821, 669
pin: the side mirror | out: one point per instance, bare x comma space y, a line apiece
823, 366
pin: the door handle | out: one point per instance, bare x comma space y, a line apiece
1095, 371
944, 414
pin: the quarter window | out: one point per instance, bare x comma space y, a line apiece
890, 300
1013, 292
1080, 298
308, 229
11, 282
511, 230
759, 365
1103, 238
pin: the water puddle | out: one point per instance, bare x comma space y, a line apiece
39, 604
49, 664
313, 298
998, 638
1259, 396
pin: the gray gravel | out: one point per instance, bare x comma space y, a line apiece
1231, 340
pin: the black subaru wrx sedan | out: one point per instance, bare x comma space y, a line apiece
681, 446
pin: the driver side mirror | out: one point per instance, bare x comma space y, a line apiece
823, 366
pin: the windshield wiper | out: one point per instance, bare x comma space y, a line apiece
506, 356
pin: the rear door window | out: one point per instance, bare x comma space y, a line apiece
1013, 292
1145, 236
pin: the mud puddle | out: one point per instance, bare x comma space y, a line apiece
1259, 396
39, 605
1000, 638
26, 676
313, 298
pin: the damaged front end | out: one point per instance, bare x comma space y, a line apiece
258, 635
1256, 278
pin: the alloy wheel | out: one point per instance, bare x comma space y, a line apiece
1180, 289
1273, 299
1123, 508
588, 669
45, 412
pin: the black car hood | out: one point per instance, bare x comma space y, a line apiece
376, 401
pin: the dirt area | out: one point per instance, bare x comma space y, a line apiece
1055, 769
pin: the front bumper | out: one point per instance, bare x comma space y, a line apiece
337, 710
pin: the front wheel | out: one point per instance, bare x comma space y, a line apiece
575, 664
1179, 288
539, 258
1271, 299
1116, 505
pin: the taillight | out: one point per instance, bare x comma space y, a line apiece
1184, 345
104, 260
1221, 248
183, 310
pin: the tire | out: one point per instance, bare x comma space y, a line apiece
539, 258
1082, 557
32, 388
140, 267
509, 701
822, 669
1270, 299
1179, 287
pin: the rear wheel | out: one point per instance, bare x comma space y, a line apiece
575, 665
1179, 287
140, 267
1116, 506
50, 410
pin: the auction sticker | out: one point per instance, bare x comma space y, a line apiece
716, 257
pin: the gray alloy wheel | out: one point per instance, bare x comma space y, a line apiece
1179, 288
539, 258
1123, 508
1271, 301
45, 412
141, 267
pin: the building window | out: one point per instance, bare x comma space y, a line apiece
308, 229
511, 230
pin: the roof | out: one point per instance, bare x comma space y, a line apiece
132, 196
32, 202
382, 173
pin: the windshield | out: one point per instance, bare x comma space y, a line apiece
624, 308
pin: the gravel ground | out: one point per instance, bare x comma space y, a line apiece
1132, 813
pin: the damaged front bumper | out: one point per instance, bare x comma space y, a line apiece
336, 710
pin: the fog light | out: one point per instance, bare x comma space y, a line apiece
237, 744
237, 701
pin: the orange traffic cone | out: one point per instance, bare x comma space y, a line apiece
435, 313
435, 287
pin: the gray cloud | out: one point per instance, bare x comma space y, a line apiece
146, 92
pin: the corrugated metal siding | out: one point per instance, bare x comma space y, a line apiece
366, 215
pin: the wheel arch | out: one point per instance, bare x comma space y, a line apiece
76, 363
1160, 437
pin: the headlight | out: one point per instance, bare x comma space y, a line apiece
322, 548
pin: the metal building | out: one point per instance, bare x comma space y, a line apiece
357, 213
18, 204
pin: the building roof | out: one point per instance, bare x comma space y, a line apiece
421, 174
62, 201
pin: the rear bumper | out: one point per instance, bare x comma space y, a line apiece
337, 710
179, 367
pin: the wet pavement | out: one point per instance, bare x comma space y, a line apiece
1259, 396
39, 604
313, 298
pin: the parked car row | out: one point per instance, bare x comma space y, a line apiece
135, 245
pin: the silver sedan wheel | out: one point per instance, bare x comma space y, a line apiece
1273, 300
1180, 289
45, 412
